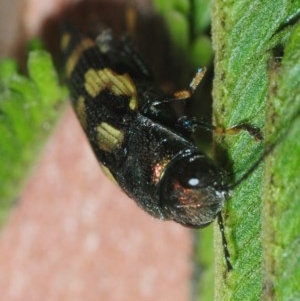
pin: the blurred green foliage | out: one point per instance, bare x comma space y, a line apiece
29, 107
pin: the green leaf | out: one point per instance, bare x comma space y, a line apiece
281, 207
29, 107
248, 83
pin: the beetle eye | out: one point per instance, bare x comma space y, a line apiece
197, 174
193, 182
192, 190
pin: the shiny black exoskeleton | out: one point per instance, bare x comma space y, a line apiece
135, 134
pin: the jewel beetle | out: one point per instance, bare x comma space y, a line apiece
138, 139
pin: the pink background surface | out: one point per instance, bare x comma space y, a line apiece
73, 235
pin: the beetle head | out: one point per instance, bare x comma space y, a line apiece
192, 190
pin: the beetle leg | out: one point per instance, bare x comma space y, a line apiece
187, 93
191, 125
224, 242
253, 131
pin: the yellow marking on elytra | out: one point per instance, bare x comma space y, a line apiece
108, 173
98, 80
65, 41
109, 138
75, 55
80, 111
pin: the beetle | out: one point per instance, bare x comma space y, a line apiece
138, 139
